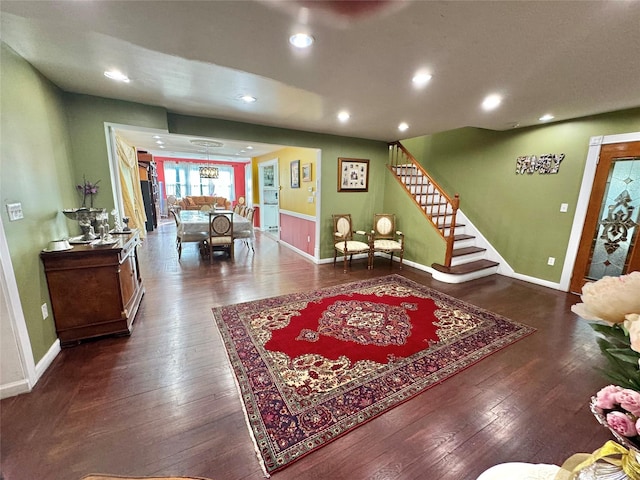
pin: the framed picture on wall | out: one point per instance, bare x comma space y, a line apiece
306, 172
295, 174
353, 175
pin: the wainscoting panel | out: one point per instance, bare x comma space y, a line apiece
298, 231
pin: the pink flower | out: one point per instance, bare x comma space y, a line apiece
607, 397
630, 401
622, 424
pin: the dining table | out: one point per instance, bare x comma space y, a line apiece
197, 221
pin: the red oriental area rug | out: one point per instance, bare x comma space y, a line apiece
312, 366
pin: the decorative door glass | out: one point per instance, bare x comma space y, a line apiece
617, 229
269, 176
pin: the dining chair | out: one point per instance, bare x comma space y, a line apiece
181, 236
385, 238
220, 233
247, 235
344, 243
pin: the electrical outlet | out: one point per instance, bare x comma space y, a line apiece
45, 311
564, 207
551, 261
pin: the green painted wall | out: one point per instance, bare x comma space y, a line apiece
49, 140
362, 206
87, 116
36, 170
519, 214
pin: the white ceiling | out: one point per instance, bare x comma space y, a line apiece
568, 58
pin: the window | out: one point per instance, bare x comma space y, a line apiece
183, 178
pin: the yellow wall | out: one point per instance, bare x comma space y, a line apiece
292, 199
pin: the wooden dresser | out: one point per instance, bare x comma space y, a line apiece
94, 291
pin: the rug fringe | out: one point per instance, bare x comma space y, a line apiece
244, 409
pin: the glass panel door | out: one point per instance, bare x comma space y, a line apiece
617, 229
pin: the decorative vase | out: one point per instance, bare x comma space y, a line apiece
86, 218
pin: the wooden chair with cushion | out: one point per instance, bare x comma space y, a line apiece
385, 238
247, 235
185, 237
220, 233
344, 243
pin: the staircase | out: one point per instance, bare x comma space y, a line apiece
464, 260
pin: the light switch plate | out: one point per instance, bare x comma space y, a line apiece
15, 211
564, 207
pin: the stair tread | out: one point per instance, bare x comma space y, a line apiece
465, 267
464, 236
458, 252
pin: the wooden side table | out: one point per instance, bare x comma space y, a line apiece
94, 291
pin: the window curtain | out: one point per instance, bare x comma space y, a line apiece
130, 185
183, 178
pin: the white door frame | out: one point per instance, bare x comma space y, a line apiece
595, 143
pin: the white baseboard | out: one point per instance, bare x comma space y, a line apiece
298, 251
537, 281
48, 358
23, 386
14, 388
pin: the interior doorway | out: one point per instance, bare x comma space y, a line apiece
269, 186
608, 245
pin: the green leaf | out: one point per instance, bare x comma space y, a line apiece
625, 356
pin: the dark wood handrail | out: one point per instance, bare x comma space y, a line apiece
401, 160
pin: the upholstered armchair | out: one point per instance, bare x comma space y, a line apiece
344, 242
385, 238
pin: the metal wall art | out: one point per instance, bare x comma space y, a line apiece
549, 163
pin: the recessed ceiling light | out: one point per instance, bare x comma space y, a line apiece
159, 142
157, 137
116, 75
420, 79
403, 126
249, 147
491, 102
248, 98
162, 146
343, 116
546, 117
301, 40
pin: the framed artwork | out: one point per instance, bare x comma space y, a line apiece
353, 175
295, 174
306, 172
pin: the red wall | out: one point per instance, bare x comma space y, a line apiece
238, 172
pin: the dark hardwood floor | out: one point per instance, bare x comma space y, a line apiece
163, 401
